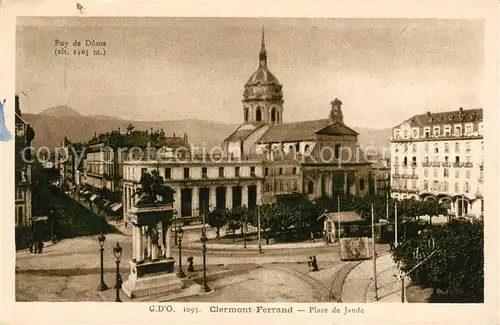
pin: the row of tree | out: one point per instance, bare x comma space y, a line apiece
302, 215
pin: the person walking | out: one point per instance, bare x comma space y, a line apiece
314, 264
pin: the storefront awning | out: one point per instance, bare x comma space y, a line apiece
116, 207
93, 197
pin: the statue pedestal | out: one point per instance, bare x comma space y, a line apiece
151, 278
152, 268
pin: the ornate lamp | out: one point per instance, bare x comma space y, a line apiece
180, 233
102, 239
117, 251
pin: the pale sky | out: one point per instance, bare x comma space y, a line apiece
384, 71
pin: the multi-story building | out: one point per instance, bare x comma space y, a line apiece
381, 173
265, 160
24, 134
440, 156
105, 154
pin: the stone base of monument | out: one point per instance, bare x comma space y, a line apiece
151, 279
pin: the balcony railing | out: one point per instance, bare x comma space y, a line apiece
446, 164
414, 164
425, 164
435, 164
404, 190
457, 164
468, 164
396, 176
480, 179
414, 176
406, 176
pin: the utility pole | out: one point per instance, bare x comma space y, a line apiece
395, 224
258, 228
338, 210
374, 256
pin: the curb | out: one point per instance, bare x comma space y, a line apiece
239, 247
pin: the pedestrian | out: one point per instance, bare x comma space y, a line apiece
309, 263
315, 264
40, 246
312, 237
191, 264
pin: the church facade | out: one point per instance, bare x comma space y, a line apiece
265, 159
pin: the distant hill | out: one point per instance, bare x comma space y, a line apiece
59, 111
53, 124
51, 130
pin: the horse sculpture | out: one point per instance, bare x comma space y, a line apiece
153, 190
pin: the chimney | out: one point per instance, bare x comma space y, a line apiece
119, 130
461, 110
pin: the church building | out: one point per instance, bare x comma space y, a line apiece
317, 157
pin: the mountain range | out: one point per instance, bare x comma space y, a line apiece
55, 123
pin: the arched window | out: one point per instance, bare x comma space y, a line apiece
273, 115
297, 147
290, 148
246, 114
258, 115
362, 184
310, 187
306, 149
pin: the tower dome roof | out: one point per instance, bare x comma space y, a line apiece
262, 76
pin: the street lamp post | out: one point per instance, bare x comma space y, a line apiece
175, 227
179, 235
52, 221
117, 251
206, 288
102, 285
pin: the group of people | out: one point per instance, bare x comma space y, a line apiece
313, 264
36, 246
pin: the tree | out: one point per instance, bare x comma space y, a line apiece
217, 219
455, 271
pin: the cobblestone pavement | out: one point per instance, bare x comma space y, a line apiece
280, 282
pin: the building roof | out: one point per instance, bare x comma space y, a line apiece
345, 217
19, 119
304, 131
456, 116
244, 131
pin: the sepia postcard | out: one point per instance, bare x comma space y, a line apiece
222, 162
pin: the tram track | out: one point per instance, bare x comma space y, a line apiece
335, 291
